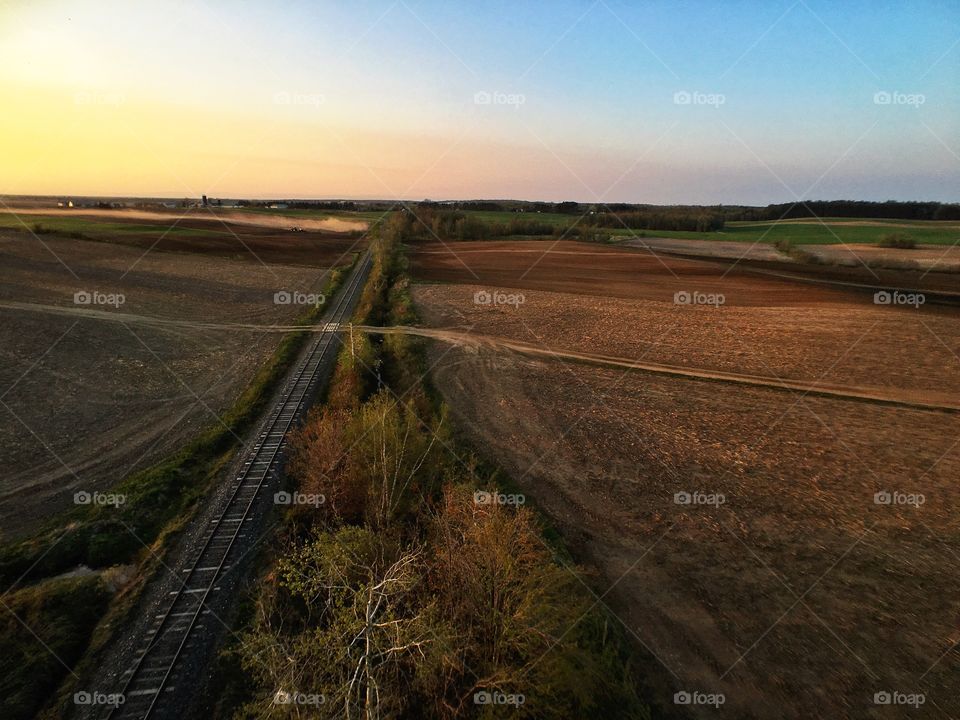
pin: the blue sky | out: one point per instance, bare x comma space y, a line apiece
704, 102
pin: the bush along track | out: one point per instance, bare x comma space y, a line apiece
406, 584
82, 572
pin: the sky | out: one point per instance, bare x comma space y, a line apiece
597, 101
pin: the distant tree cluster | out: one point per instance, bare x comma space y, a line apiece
425, 223
689, 219
640, 216
488, 205
891, 209
322, 204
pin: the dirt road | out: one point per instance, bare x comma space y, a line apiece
893, 396
918, 399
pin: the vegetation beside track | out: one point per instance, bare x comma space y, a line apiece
405, 593
115, 546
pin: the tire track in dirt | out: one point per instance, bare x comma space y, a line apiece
917, 399
889, 396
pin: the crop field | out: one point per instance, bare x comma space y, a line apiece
368, 216
621, 303
780, 547
825, 231
89, 401
804, 232
197, 231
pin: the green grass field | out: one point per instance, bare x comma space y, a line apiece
366, 215
799, 232
90, 226
497, 216
813, 233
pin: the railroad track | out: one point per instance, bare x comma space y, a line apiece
150, 686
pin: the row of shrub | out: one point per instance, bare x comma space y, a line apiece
430, 223
400, 595
426, 224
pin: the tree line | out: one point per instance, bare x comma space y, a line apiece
689, 217
890, 210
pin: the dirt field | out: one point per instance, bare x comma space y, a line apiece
621, 303
86, 402
568, 266
924, 257
799, 596
710, 248
858, 222
264, 220
927, 258
200, 231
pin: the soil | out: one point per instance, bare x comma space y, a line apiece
87, 402
931, 258
211, 215
710, 248
799, 596
620, 304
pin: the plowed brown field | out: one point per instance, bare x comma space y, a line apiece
803, 594
86, 402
